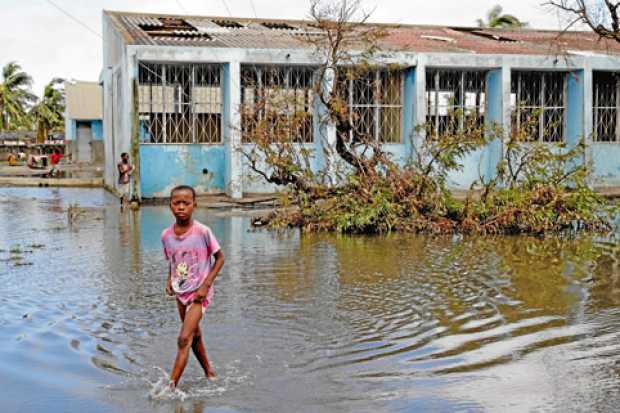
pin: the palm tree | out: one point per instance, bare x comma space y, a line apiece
497, 20
15, 97
48, 113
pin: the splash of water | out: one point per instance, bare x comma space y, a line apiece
164, 389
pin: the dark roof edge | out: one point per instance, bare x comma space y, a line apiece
118, 13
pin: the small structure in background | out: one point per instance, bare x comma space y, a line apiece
83, 122
15, 142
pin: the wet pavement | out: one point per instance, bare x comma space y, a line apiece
304, 323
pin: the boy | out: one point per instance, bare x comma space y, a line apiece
124, 171
188, 247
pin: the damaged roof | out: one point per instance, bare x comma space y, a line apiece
233, 32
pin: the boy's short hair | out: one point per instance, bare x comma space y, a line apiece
124, 154
183, 188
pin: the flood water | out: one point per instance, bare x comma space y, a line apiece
312, 323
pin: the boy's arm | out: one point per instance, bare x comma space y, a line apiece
169, 290
208, 282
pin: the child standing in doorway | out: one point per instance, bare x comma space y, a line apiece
188, 247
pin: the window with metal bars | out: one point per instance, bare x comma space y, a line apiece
606, 95
374, 100
539, 102
454, 99
180, 102
278, 101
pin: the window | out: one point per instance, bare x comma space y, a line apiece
180, 103
454, 98
605, 100
374, 100
538, 100
279, 99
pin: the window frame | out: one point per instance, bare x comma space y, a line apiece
377, 104
517, 108
433, 117
260, 91
181, 103
596, 107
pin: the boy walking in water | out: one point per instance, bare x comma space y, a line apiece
188, 247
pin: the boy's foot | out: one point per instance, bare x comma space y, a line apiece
211, 375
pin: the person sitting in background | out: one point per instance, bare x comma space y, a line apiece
12, 159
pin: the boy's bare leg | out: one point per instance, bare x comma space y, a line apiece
198, 347
200, 352
193, 314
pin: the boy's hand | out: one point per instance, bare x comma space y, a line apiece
202, 292
169, 290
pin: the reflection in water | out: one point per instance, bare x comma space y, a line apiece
302, 323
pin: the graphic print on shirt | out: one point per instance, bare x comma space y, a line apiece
185, 274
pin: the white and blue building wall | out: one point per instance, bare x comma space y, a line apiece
220, 167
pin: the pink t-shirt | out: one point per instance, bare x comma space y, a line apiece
189, 256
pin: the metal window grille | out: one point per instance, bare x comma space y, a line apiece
180, 103
374, 101
539, 105
278, 100
606, 95
453, 97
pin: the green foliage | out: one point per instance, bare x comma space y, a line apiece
538, 188
19, 107
496, 20
15, 98
48, 113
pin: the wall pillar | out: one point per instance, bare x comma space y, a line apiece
232, 129
588, 118
494, 117
326, 141
419, 103
133, 130
506, 122
108, 128
409, 106
575, 108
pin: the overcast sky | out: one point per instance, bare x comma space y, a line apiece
48, 43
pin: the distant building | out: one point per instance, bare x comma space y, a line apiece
189, 76
84, 121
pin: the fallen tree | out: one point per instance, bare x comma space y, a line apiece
537, 188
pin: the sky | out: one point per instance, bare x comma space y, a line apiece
47, 43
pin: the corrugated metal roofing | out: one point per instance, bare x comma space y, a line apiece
203, 31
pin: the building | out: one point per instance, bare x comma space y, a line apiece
185, 79
84, 121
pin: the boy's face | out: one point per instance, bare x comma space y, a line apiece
182, 204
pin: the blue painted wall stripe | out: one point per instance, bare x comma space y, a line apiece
165, 166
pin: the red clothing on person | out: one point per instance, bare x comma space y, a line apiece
56, 157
